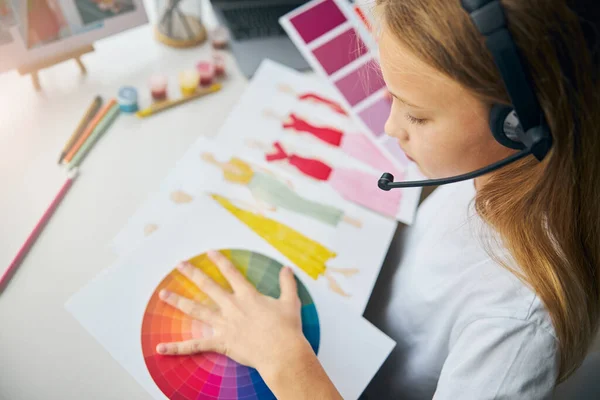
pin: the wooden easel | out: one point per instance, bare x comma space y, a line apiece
33, 69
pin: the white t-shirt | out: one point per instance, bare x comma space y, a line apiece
466, 327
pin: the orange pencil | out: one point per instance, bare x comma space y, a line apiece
88, 131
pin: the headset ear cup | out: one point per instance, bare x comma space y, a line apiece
498, 116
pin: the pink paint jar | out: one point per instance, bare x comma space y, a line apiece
220, 37
206, 71
158, 87
219, 63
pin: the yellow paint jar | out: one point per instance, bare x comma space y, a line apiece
188, 81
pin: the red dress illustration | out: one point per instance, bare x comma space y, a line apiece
353, 185
355, 145
308, 166
313, 98
328, 135
322, 100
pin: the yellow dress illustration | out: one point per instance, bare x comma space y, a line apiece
306, 253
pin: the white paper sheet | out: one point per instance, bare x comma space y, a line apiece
362, 249
258, 119
111, 307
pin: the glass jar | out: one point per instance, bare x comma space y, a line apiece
179, 23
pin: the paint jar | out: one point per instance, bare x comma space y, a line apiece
188, 81
158, 87
219, 37
219, 63
128, 99
206, 71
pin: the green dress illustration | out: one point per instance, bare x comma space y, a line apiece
272, 191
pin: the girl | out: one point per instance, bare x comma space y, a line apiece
497, 294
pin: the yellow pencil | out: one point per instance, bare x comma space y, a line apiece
165, 105
87, 117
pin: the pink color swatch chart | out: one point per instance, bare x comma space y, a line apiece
338, 45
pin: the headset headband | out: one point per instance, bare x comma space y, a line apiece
489, 18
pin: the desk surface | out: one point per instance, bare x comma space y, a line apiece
44, 351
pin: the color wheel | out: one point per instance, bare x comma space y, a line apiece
211, 375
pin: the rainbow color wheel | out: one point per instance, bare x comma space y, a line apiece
211, 375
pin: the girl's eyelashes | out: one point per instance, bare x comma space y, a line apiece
411, 119
415, 121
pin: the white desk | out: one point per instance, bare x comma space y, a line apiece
44, 353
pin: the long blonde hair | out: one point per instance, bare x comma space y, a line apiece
546, 214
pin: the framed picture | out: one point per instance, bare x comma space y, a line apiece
33, 30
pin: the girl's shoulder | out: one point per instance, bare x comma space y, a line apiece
495, 292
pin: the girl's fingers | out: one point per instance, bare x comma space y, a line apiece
187, 306
204, 282
189, 347
235, 278
289, 289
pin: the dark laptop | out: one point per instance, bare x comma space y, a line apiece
256, 33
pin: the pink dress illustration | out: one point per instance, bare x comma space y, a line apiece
353, 185
355, 145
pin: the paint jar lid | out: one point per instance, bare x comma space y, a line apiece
205, 68
189, 77
127, 95
220, 37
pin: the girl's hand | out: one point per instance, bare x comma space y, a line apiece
252, 329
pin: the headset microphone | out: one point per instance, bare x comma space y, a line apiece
521, 126
386, 182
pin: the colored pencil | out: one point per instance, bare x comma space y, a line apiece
38, 229
88, 130
96, 134
165, 105
87, 117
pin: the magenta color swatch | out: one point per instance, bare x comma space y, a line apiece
318, 20
376, 115
340, 51
361, 83
396, 151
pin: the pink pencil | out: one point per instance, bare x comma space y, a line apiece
38, 229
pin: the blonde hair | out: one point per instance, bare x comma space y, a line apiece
547, 214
